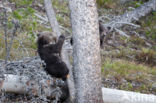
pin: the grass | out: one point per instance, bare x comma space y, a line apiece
18, 50
137, 40
147, 56
137, 76
148, 26
108, 4
62, 12
124, 68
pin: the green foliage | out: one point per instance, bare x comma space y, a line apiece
124, 68
151, 33
23, 13
146, 55
17, 15
137, 3
29, 11
106, 3
62, 12
154, 47
28, 23
32, 38
61, 6
101, 2
130, 86
149, 26
24, 9
22, 3
10, 24
137, 40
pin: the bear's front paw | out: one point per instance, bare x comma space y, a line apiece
62, 37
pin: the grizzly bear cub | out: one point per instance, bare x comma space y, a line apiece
50, 54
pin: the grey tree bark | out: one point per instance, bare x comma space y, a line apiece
52, 19
86, 51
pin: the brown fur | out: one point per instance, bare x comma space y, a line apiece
50, 54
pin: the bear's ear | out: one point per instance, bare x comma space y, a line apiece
39, 34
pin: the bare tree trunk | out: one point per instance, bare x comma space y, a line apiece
51, 16
87, 68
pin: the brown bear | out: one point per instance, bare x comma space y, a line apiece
50, 53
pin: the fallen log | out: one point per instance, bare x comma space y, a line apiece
24, 85
121, 96
18, 84
27, 76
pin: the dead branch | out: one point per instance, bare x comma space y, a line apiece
41, 17
16, 25
128, 17
121, 32
44, 20
5, 34
132, 15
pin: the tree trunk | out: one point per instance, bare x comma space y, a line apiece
52, 19
87, 68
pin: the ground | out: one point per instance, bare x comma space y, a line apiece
127, 63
